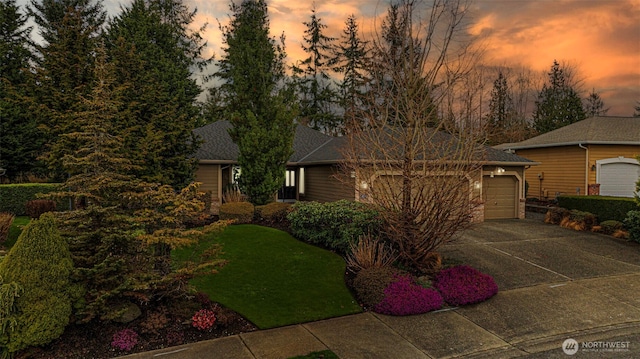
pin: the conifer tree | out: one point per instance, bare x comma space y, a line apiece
20, 139
252, 69
558, 103
351, 59
501, 116
121, 229
315, 89
70, 29
594, 106
156, 53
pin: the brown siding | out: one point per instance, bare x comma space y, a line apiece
563, 168
208, 175
601, 152
322, 185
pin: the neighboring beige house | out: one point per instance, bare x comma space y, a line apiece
593, 156
313, 172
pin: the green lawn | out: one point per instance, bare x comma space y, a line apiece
273, 279
15, 230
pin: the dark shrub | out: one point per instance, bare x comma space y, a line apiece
242, 212
462, 285
37, 207
274, 212
335, 224
370, 283
6, 219
404, 297
603, 207
40, 263
632, 223
585, 220
611, 226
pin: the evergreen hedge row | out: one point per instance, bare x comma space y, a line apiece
605, 208
13, 197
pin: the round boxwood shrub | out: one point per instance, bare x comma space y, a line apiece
274, 212
242, 212
611, 226
41, 264
463, 284
404, 296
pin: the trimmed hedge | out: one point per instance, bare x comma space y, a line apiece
14, 197
333, 224
605, 208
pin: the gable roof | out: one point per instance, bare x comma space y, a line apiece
593, 130
309, 147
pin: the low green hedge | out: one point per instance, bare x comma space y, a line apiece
605, 208
242, 212
13, 197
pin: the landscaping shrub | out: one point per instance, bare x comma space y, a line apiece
241, 212
369, 252
15, 196
125, 340
404, 297
632, 223
203, 319
6, 219
334, 224
581, 221
370, 284
605, 208
40, 263
611, 226
462, 285
274, 212
37, 207
556, 215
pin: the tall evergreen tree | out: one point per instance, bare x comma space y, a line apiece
636, 112
351, 59
315, 90
155, 52
262, 113
501, 114
70, 29
558, 103
20, 139
594, 106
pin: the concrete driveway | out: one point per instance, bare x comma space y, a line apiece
555, 285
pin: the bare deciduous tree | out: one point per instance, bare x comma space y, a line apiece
423, 179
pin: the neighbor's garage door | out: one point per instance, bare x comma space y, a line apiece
618, 179
500, 195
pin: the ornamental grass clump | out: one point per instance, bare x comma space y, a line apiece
462, 285
203, 319
404, 297
125, 340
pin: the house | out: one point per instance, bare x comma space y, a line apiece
314, 173
593, 156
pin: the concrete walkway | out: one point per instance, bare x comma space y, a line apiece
555, 284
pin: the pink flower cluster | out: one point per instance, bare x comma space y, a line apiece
462, 285
125, 339
203, 319
404, 297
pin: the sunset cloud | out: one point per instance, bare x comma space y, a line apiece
601, 37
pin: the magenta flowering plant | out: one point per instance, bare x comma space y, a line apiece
203, 319
463, 284
125, 339
404, 296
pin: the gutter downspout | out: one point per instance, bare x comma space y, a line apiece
586, 169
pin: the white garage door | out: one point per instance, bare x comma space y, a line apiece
618, 177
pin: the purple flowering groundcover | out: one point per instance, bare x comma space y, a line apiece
463, 284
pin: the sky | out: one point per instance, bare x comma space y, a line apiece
600, 38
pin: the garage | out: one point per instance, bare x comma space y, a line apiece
500, 195
618, 176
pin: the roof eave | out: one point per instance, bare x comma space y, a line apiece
572, 143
